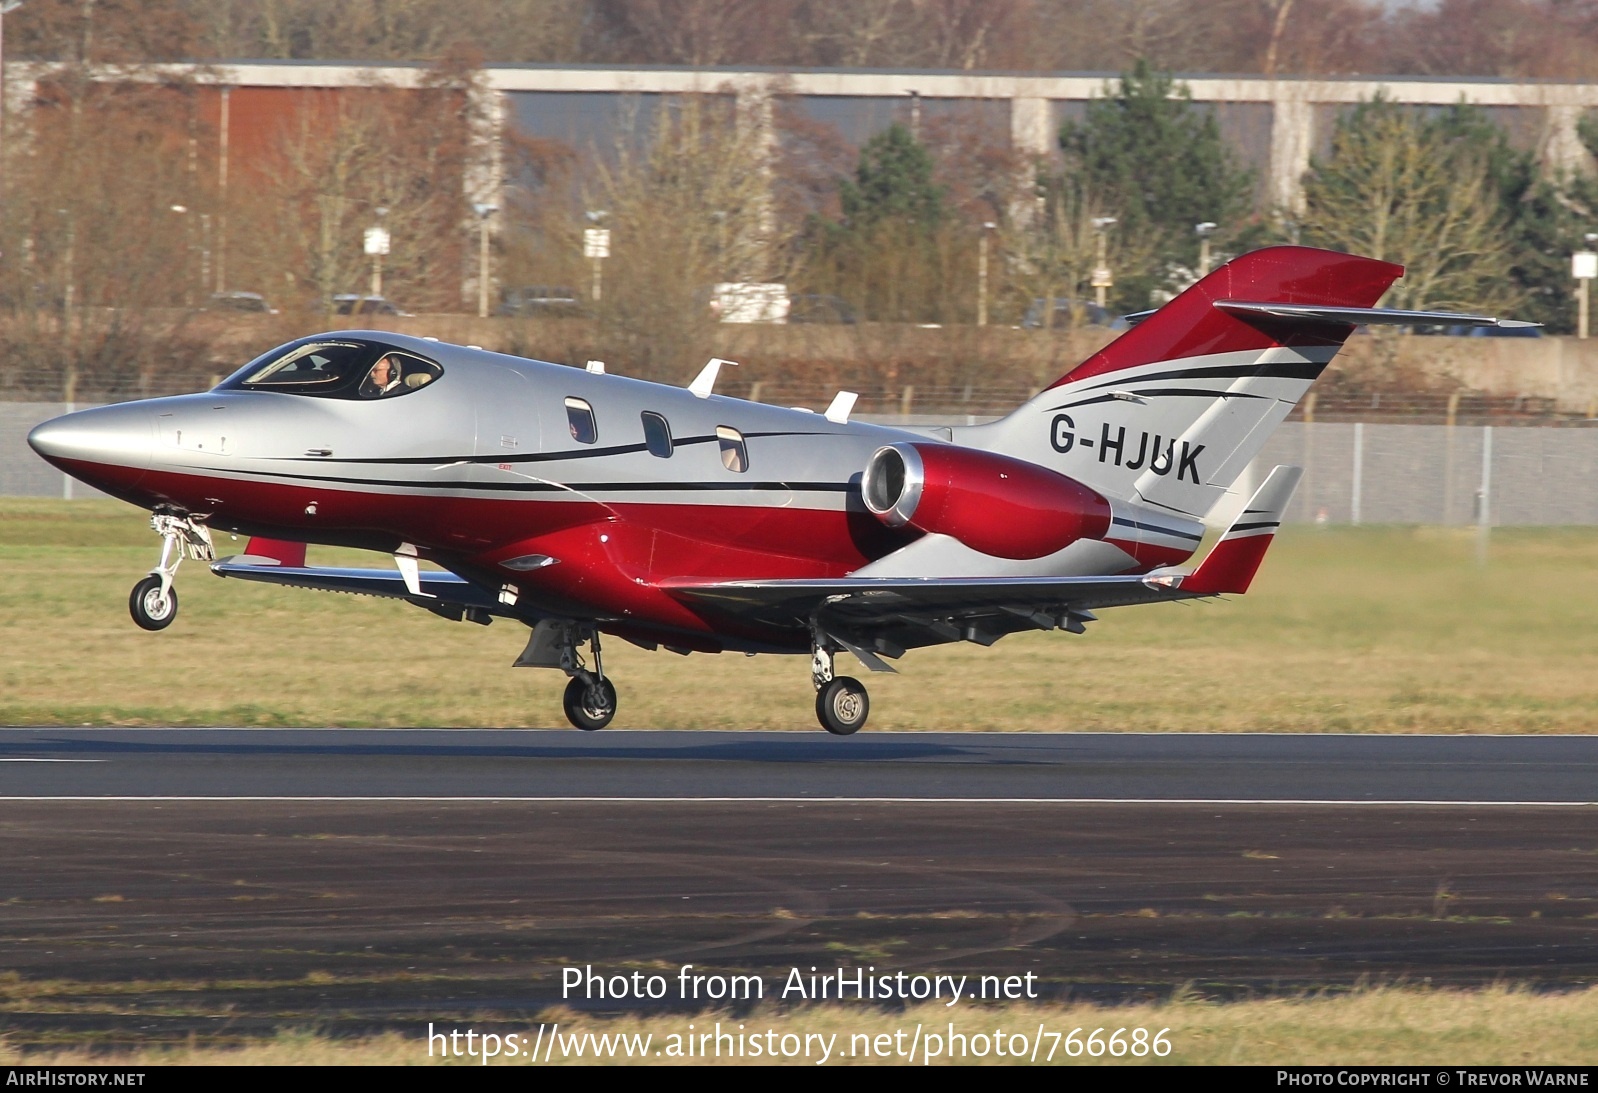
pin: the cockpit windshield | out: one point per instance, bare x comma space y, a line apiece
335, 368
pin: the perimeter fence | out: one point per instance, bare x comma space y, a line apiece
1354, 472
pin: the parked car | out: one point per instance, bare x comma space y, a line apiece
816, 308
348, 303
550, 300
1086, 313
252, 302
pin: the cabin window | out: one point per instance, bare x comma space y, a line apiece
734, 455
580, 418
657, 434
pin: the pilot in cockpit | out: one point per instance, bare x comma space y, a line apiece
383, 379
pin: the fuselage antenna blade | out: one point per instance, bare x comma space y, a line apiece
705, 382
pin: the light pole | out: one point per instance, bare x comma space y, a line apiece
1584, 267
483, 213
6, 8
377, 244
982, 274
1204, 230
596, 247
205, 248
1102, 278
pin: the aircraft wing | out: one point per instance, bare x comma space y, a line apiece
888, 615
891, 614
443, 593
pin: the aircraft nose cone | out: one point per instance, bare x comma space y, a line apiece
85, 444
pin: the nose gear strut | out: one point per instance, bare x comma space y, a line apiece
153, 602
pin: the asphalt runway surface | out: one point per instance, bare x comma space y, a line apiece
519, 763
158, 884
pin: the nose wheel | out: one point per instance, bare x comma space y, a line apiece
153, 603
152, 606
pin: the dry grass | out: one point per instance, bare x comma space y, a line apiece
1347, 630
1388, 1026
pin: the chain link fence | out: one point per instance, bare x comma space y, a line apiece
1354, 472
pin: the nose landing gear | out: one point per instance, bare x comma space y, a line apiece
842, 704
153, 602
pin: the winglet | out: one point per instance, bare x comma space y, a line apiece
1231, 564
281, 552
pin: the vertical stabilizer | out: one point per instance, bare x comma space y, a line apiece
1172, 411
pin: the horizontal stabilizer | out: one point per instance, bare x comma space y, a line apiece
1365, 316
1230, 566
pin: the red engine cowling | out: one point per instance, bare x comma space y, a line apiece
1005, 507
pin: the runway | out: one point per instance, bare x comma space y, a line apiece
225, 883
471, 764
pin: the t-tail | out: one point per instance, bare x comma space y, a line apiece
1171, 412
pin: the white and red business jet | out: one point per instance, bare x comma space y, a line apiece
581, 503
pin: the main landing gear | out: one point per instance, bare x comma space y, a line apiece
590, 698
842, 704
153, 602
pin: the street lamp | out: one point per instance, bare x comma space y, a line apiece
596, 247
483, 213
205, 246
1204, 231
1584, 267
6, 8
982, 274
376, 245
1102, 278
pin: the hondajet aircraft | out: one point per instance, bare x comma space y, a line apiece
581, 503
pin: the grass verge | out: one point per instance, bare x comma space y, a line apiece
1391, 630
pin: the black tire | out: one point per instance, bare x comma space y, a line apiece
842, 706
590, 707
147, 606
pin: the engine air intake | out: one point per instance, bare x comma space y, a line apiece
1005, 507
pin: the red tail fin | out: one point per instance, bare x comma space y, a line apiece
1191, 325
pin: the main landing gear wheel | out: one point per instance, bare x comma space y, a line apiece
149, 607
590, 703
842, 706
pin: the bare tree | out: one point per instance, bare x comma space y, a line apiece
694, 208
1395, 188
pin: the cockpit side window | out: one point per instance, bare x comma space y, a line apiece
580, 418
335, 369
397, 373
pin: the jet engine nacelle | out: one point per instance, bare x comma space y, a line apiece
1005, 507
